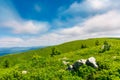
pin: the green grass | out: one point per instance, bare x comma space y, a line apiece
41, 66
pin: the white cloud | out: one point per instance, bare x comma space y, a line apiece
105, 22
109, 21
10, 18
26, 27
98, 4
91, 6
31, 27
10, 42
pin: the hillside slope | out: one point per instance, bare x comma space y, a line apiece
41, 66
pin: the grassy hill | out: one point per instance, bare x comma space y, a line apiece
41, 66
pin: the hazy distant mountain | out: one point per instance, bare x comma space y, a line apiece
4, 51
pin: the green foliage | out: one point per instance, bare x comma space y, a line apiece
103, 65
85, 72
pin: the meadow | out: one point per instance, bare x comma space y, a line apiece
47, 63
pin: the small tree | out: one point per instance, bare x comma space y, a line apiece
105, 47
97, 43
6, 64
55, 52
83, 46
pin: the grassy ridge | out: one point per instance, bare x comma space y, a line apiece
64, 48
41, 66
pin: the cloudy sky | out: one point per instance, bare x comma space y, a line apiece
48, 22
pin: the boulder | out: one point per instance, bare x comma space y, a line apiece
78, 63
65, 63
91, 62
70, 67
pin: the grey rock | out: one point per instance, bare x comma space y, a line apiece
89, 62
92, 62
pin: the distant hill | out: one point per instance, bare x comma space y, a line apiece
11, 50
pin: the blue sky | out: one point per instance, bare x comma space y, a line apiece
48, 22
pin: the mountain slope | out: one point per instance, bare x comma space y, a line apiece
41, 66
64, 48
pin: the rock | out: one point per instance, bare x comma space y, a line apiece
64, 58
83, 61
89, 62
24, 72
92, 62
65, 63
70, 67
78, 63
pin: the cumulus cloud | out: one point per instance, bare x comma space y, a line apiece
98, 4
31, 27
10, 42
92, 6
106, 22
10, 18
78, 13
101, 25
26, 27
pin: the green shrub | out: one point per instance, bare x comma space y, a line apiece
105, 47
103, 65
55, 52
83, 46
97, 43
6, 64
